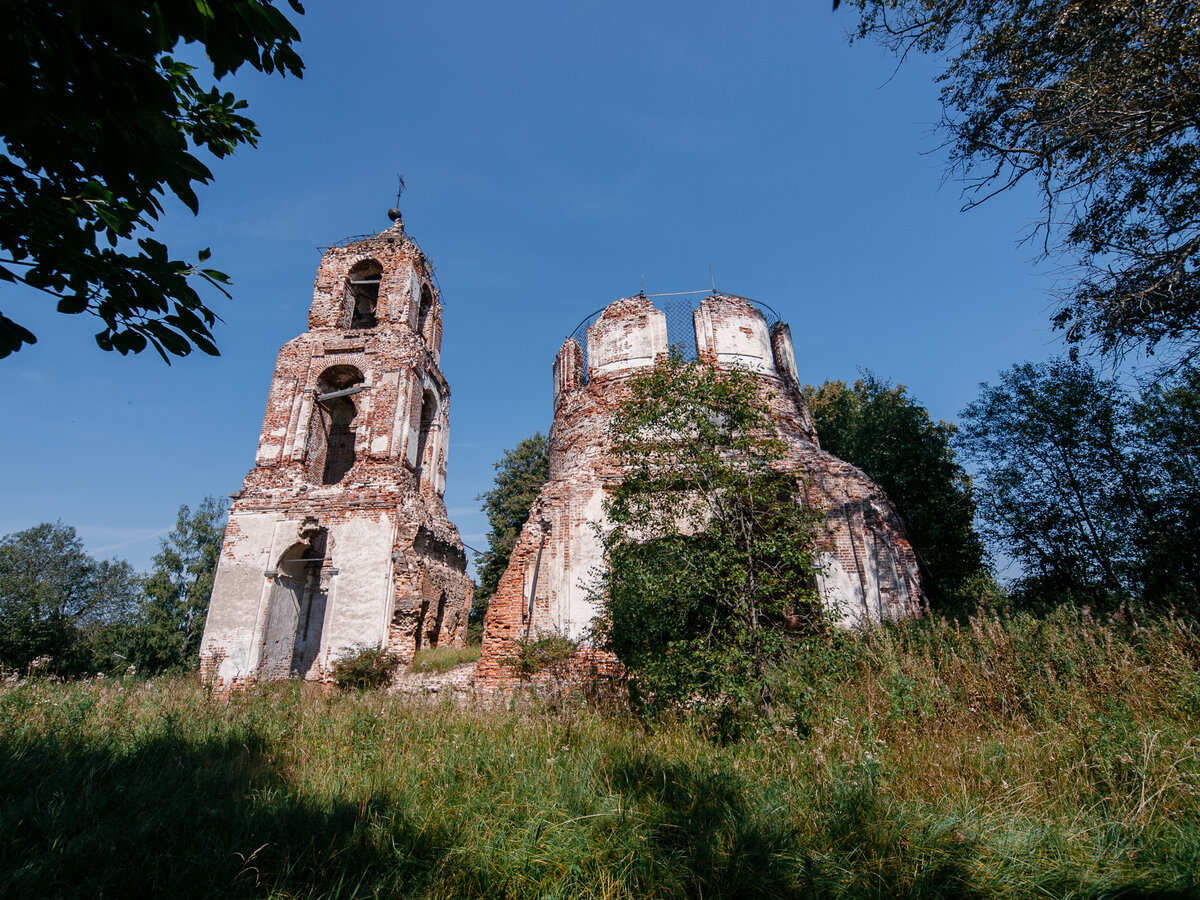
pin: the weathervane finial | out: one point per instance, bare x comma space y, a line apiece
394, 212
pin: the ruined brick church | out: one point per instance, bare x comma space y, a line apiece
339, 538
868, 569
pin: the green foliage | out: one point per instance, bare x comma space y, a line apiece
1012, 757
365, 669
1095, 103
710, 557
175, 596
520, 474
100, 123
1093, 491
443, 659
544, 654
886, 433
58, 602
89, 616
1167, 420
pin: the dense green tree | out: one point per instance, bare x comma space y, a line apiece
55, 598
1167, 420
881, 429
709, 562
1094, 491
1051, 443
1096, 103
100, 122
175, 595
520, 474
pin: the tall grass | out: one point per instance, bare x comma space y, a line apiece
443, 659
1015, 757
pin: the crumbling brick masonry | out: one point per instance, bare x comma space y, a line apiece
868, 568
339, 537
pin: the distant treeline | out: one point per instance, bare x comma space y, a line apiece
64, 613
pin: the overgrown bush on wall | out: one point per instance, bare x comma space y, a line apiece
710, 564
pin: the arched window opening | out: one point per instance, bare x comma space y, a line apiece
296, 609
332, 435
339, 453
423, 312
429, 406
362, 290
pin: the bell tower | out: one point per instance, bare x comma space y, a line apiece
339, 538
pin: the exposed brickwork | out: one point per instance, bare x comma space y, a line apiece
869, 573
339, 536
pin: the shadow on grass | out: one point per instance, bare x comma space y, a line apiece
704, 840
711, 834
172, 817
179, 818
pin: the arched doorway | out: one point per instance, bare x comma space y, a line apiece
295, 611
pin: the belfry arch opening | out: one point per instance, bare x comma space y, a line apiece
423, 311
362, 293
331, 450
429, 409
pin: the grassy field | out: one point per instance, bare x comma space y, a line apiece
1026, 757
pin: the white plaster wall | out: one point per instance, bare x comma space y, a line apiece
870, 563
237, 598
571, 612
443, 453
840, 592
361, 551
737, 340
630, 342
306, 411
414, 298
401, 426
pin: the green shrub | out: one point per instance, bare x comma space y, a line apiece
709, 573
366, 669
548, 653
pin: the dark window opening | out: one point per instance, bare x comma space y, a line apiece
339, 450
428, 412
425, 308
311, 618
363, 294
419, 633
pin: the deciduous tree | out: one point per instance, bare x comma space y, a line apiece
170, 620
52, 592
1167, 420
1095, 103
100, 122
1094, 491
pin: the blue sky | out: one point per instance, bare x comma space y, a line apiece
555, 154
